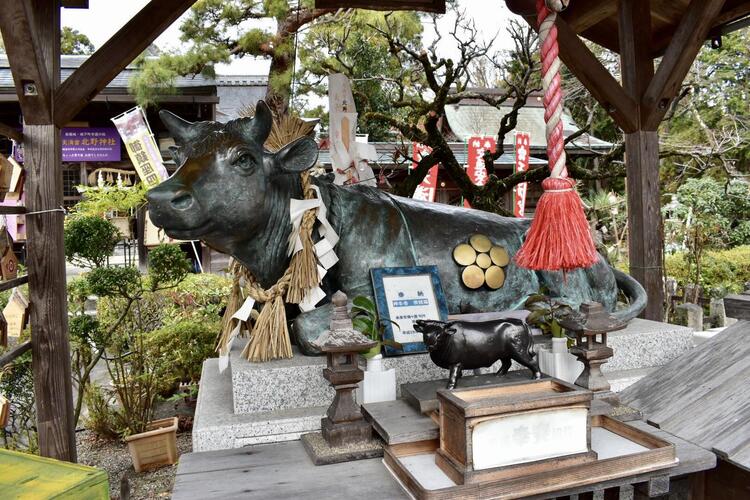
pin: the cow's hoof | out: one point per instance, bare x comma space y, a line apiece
537, 375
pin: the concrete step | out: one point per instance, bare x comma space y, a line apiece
621, 379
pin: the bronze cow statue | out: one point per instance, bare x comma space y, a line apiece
234, 195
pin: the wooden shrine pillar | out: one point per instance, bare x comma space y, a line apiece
645, 228
645, 235
46, 252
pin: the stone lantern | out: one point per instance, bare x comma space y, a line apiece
345, 433
591, 328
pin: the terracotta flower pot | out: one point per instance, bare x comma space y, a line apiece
157, 446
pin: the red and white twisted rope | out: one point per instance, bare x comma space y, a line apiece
551, 84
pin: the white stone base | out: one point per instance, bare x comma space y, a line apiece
278, 401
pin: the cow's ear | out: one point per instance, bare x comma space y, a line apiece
450, 330
297, 156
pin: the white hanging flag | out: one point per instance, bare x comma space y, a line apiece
350, 158
141, 146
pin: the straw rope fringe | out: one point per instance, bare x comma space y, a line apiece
269, 336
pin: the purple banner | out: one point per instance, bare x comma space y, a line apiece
90, 144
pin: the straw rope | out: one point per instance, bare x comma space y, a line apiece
269, 336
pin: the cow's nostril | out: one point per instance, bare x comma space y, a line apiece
182, 201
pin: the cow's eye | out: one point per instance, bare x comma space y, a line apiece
244, 160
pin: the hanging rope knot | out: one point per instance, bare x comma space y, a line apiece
559, 237
558, 184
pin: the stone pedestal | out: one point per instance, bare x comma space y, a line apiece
255, 403
593, 357
690, 315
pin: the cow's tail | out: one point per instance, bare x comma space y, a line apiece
635, 294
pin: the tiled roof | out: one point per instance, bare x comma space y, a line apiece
386, 152
474, 118
68, 64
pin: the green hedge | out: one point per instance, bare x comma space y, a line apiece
723, 271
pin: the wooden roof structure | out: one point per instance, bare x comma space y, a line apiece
702, 396
598, 20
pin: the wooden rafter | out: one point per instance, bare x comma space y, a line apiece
583, 14
595, 77
28, 67
699, 17
10, 132
112, 57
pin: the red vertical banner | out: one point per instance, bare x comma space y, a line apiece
475, 168
523, 141
426, 189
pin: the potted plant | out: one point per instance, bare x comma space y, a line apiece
378, 384
546, 313
135, 365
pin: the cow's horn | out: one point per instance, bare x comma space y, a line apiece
259, 128
182, 130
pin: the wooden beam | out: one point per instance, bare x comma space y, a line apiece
684, 46
636, 63
14, 353
645, 236
26, 63
11, 133
732, 14
112, 57
48, 311
595, 77
583, 14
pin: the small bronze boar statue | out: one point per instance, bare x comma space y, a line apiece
465, 345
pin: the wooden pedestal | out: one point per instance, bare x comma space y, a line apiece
501, 432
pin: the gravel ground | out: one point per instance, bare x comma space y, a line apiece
113, 457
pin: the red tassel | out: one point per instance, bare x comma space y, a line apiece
559, 238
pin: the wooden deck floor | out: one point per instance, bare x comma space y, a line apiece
284, 471
281, 470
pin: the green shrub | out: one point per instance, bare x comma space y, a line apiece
185, 345
90, 240
722, 272
17, 385
167, 266
102, 419
200, 297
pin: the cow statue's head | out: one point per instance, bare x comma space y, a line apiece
228, 189
434, 333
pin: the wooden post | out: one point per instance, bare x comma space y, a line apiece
645, 237
46, 258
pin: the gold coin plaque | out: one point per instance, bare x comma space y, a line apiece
464, 254
473, 276
480, 242
483, 262
495, 277
499, 256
